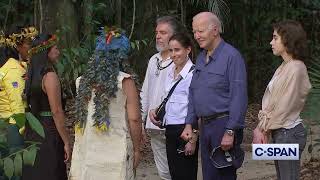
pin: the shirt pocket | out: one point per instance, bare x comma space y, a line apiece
216, 79
178, 105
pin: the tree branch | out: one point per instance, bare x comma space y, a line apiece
133, 18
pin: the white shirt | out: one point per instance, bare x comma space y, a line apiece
177, 105
153, 87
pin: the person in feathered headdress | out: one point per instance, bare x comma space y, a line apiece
108, 126
43, 93
13, 44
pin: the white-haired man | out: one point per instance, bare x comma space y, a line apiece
218, 97
153, 90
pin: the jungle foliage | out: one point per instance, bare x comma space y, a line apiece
247, 25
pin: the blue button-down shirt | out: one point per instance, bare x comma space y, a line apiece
219, 86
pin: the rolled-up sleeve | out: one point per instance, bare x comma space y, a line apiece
238, 92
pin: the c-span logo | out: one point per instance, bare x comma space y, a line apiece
275, 151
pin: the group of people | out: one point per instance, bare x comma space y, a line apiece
205, 101
29, 83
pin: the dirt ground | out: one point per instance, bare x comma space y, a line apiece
250, 170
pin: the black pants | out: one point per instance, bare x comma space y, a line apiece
181, 167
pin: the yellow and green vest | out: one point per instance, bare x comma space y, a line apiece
12, 86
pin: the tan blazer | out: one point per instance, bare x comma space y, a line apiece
284, 101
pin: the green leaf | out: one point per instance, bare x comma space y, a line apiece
133, 46
144, 42
8, 167
3, 124
75, 51
29, 156
101, 5
137, 44
3, 137
35, 124
18, 165
20, 119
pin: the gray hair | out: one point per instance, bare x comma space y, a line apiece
211, 18
175, 25
216, 21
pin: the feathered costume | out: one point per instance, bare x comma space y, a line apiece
103, 147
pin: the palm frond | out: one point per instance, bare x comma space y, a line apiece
197, 2
221, 9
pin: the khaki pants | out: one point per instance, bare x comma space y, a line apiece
158, 146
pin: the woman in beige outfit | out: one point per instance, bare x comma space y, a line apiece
108, 130
285, 96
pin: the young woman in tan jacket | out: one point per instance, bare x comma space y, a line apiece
285, 96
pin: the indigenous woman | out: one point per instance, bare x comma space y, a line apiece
108, 130
12, 83
285, 96
43, 92
182, 156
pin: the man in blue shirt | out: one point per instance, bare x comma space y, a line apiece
218, 98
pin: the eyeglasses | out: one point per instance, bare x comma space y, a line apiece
180, 151
220, 158
181, 145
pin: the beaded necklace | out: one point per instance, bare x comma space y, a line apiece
159, 67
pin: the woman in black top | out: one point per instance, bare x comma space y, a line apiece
43, 92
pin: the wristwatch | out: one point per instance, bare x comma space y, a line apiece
230, 132
195, 131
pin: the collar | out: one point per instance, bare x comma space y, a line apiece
158, 55
217, 51
185, 70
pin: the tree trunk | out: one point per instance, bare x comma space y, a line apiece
58, 15
183, 14
118, 15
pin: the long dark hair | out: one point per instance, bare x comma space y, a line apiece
38, 67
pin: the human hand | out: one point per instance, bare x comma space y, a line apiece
67, 152
136, 159
259, 137
187, 132
153, 116
227, 142
190, 148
